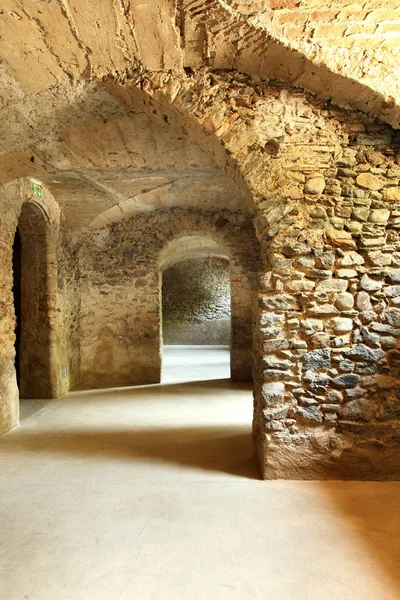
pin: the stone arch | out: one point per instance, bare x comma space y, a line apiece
36, 361
37, 219
133, 338
198, 244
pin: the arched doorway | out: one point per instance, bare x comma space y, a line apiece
207, 301
33, 364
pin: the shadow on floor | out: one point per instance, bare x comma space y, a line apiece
372, 511
201, 386
218, 449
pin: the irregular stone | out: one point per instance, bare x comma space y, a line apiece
355, 393
388, 342
315, 185
277, 375
271, 332
346, 173
330, 408
379, 259
391, 291
303, 285
323, 310
365, 369
271, 319
367, 316
307, 401
279, 412
273, 393
318, 212
392, 316
348, 158
280, 262
362, 352
346, 381
358, 409
320, 340
274, 425
319, 274
371, 339
391, 194
346, 273
296, 249
341, 238
363, 301
369, 182
351, 258
393, 275
318, 359
327, 259
374, 241
332, 285
307, 262
370, 285
275, 363
346, 366
379, 215
382, 328
340, 341
279, 302
339, 325
334, 396
344, 301
309, 376
360, 213
310, 326
274, 345
311, 413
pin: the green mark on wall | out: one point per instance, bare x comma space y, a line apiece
37, 190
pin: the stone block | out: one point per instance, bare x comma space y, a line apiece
273, 393
344, 301
369, 181
332, 285
358, 409
318, 359
310, 413
348, 380
315, 185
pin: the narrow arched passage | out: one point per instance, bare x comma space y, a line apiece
36, 377
207, 298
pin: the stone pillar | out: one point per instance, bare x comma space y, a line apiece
328, 372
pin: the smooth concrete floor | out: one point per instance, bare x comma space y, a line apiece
150, 493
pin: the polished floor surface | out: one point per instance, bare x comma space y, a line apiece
150, 493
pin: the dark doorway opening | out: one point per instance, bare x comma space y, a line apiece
36, 378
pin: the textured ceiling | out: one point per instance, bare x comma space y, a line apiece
105, 161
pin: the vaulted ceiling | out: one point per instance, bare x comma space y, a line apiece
54, 110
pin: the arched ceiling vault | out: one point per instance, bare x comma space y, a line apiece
59, 121
47, 41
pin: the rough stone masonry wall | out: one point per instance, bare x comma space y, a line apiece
329, 312
196, 302
322, 182
121, 292
55, 306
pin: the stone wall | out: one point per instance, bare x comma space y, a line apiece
323, 192
196, 302
121, 290
329, 316
49, 301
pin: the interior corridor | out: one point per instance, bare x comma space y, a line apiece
151, 493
